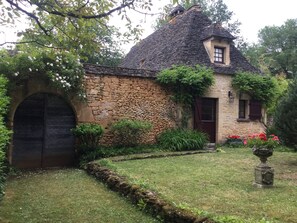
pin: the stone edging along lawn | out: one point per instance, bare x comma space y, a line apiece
156, 205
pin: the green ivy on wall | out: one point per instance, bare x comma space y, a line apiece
259, 87
186, 82
61, 68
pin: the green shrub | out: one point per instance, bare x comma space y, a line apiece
4, 132
2, 174
88, 136
285, 118
128, 133
181, 139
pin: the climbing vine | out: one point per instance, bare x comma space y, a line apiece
186, 82
61, 68
259, 87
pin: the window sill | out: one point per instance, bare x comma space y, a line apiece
243, 120
221, 64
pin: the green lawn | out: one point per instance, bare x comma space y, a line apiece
68, 195
221, 183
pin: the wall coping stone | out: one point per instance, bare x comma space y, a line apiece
118, 71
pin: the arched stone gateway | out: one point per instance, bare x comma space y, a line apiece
42, 136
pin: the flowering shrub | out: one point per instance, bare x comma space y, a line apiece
233, 137
262, 140
234, 141
61, 68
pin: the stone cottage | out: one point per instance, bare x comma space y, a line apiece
190, 38
41, 117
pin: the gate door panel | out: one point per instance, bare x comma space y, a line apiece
59, 140
42, 136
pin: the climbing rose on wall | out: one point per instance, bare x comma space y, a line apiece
61, 68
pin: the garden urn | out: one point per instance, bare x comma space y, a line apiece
264, 174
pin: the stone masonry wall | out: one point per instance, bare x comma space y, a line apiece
111, 98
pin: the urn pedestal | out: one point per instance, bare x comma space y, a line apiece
264, 174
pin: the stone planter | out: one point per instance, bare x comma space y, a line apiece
264, 174
234, 142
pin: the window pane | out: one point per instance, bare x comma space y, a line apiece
208, 112
219, 55
242, 104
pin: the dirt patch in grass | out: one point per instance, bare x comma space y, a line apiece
289, 176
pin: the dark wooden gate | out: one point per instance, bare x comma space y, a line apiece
42, 136
205, 116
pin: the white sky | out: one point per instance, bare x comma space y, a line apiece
253, 14
256, 14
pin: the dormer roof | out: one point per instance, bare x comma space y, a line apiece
217, 31
180, 42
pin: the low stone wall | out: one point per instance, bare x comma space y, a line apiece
153, 203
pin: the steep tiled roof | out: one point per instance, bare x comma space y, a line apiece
180, 41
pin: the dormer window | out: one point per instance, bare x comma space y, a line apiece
217, 42
219, 54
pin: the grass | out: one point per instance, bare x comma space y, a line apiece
221, 184
68, 195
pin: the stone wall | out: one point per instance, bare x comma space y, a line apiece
111, 98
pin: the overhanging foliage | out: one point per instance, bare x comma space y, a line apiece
186, 82
61, 68
262, 88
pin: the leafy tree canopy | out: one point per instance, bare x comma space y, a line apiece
79, 26
276, 52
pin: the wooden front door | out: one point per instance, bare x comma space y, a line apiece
205, 116
42, 136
